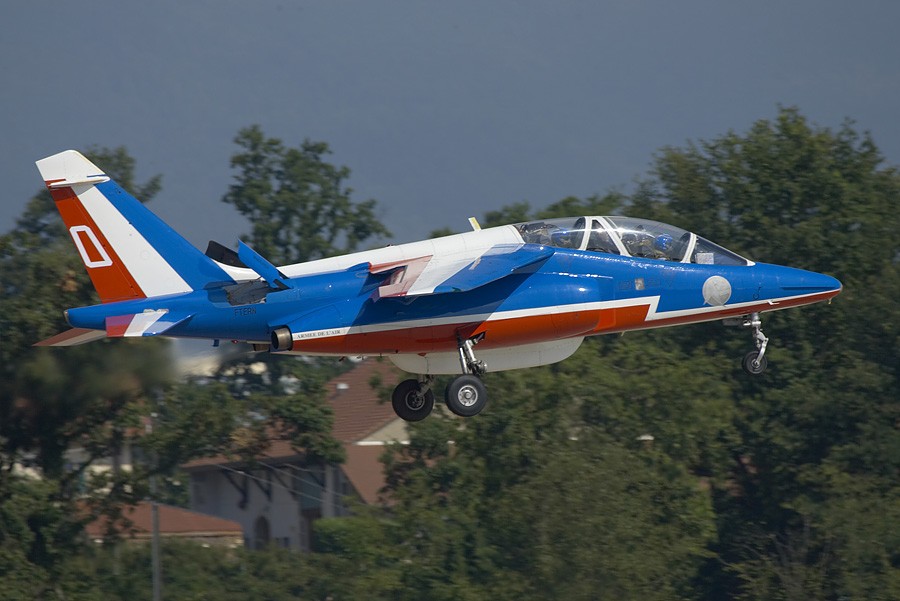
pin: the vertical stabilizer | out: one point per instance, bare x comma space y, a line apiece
127, 250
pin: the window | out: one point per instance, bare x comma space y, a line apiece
563, 233
640, 238
260, 533
600, 241
651, 239
707, 253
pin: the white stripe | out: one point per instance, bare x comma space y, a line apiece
105, 260
142, 322
652, 303
151, 272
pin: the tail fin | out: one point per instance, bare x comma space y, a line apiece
128, 251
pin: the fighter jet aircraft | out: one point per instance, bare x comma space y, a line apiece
524, 294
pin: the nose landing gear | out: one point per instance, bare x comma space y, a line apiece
755, 362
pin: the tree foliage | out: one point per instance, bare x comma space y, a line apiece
645, 466
789, 481
64, 411
54, 399
297, 203
791, 193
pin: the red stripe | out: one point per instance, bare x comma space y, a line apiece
523, 330
117, 325
113, 282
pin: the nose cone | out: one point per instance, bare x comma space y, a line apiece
805, 286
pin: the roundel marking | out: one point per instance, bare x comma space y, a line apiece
716, 291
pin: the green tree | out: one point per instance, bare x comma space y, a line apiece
792, 193
529, 501
296, 202
299, 209
52, 399
97, 398
799, 467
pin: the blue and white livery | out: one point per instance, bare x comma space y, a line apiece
527, 294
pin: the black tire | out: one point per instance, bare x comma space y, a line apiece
752, 367
466, 395
408, 404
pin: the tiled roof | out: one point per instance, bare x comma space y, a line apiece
357, 411
172, 521
365, 471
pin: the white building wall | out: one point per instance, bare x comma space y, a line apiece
288, 508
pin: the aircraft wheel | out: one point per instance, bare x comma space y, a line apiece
466, 395
754, 367
409, 404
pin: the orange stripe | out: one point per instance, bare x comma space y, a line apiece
113, 282
521, 330
116, 326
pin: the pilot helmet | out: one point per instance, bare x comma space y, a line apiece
664, 242
561, 237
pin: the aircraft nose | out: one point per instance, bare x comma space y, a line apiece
796, 282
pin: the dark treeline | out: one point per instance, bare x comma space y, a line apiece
779, 487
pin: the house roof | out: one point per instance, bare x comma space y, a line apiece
365, 471
172, 521
357, 412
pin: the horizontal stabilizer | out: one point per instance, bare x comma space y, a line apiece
72, 337
68, 183
149, 323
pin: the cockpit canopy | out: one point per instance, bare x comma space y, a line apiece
629, 237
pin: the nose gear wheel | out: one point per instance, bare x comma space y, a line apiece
755, 362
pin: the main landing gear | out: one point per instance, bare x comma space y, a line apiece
465, 396
412, 399
754, 362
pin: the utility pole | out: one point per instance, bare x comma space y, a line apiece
154, 512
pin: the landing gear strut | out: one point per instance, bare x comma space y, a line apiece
466, 394
755, 361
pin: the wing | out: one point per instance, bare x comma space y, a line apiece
458, 272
